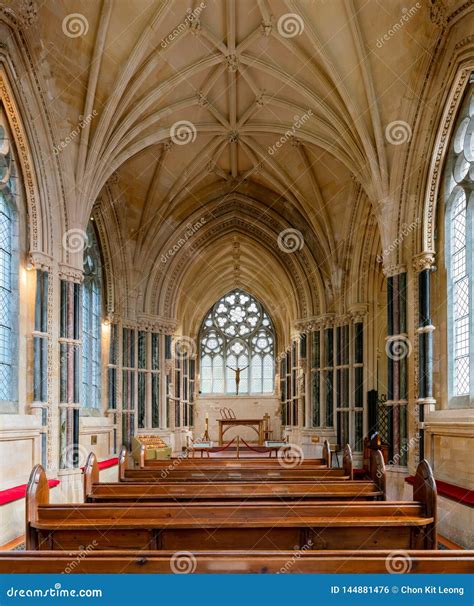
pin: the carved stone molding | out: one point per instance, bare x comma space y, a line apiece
358, 312
394, 270
70, 273
424, 260
158, 324
40, 260
438, 157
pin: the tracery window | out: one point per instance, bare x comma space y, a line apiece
237, 337
459, 225
8, 268
91, 323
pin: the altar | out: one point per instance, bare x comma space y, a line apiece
258, 425
249, 413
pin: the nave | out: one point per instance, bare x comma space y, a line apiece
213, 518
236, 285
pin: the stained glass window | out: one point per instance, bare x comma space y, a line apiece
237, 340
459, 254
91, 323
8, 263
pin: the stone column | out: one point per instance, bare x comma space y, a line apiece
398, 348
423, 265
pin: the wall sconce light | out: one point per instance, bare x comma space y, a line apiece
29, 266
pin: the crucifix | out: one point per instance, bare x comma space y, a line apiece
237, 377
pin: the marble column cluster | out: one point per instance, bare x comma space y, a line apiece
398, 348
423, 266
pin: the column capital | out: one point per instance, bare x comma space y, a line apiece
394, 270
70, 273
423, 261
358, 311
39, 260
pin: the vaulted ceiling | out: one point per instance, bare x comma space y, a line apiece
254, 116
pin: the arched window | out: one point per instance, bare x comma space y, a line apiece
237, 336
8, 270
459, 235
91, 322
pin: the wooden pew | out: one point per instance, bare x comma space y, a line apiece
233, 524
173, 471
233, 462
256, 562
327, 489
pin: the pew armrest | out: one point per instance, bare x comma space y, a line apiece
424, 491
327, 453
37, 493
347, 462
91, 475
377, 469
122, 463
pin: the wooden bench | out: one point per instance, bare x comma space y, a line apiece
257, 562
327, 489
173, 471
233, 524
234, 462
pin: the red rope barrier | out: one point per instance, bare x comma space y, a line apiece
221, 448
260, 449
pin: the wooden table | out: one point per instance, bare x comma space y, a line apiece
255, 424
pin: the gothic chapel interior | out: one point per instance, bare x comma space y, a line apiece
237, 211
